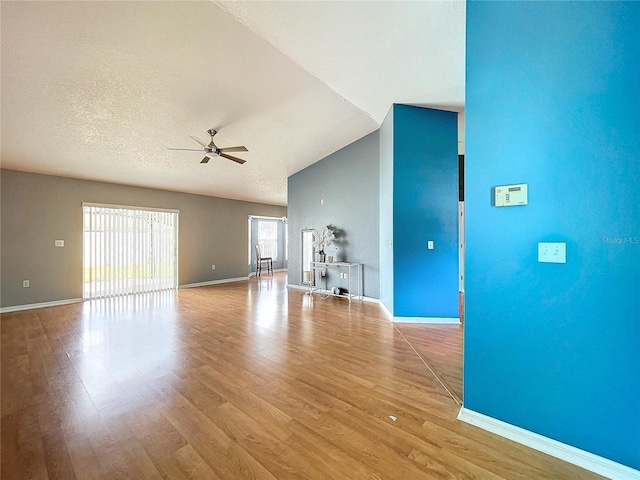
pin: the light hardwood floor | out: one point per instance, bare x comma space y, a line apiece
236, 381
440, 347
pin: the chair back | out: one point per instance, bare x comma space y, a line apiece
258, 256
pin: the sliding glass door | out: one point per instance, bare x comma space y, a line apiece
128, 250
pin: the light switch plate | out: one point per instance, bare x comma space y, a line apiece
552, 252
59, 243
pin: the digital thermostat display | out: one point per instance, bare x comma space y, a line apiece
511, 195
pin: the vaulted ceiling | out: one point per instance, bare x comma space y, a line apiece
101, 90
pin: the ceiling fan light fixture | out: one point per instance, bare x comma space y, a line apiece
212, 149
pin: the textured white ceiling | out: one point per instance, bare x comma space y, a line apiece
373, 53
99, 90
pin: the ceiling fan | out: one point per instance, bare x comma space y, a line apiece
212, 149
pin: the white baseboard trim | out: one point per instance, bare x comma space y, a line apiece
213, 282
432, 320
370, 299
386, 311
589, 461
297, 287
31, 306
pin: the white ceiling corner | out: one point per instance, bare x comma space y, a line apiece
99, 90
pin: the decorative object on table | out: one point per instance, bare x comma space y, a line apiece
306, 277
339, 244
322, 240
330, 258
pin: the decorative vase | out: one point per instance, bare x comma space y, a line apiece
322, 256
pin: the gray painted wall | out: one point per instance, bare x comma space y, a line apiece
38, 209
348, 182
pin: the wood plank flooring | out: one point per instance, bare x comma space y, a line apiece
440, 346
236, 381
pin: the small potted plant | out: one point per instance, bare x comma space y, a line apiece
321, 240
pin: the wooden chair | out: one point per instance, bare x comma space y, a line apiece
260, 260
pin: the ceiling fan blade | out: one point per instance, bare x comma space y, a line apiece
234, 149
187, 149
205, 160
235, 159
198, 140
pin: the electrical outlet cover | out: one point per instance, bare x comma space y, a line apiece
552, 252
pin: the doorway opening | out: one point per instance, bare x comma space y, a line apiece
272, 234
461, 241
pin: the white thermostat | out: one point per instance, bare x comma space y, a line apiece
511, 195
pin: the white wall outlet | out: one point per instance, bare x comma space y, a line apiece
213, 267
322, 201
552, 252
430, 244
59, 243
390, 243
25, 283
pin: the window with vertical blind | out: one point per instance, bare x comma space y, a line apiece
268, 238
128, 250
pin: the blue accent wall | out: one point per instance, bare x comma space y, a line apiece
425, 207
553, 100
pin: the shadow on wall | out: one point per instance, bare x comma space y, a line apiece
340, 241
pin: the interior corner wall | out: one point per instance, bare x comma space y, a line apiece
425, 208
341, 190
386, 212
38, 209
552, 101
